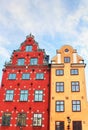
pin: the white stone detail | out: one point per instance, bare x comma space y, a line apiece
74, 57
43, 126
58, 58
38, 86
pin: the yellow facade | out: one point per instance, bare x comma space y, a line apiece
68, 91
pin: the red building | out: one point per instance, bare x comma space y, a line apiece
24, 93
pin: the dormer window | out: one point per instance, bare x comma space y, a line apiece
66, 59
28, 48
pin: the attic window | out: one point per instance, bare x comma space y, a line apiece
66, 50
28, 48
66, 59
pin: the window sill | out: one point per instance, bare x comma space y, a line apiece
39, 79
38, 101
23, 101
8, 101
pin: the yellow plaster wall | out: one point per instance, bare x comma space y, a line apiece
67, 95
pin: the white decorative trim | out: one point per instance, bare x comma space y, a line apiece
74, 57
59, 58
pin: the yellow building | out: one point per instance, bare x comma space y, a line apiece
68, 101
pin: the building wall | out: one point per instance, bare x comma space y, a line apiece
30, 107
46, 107
67, 96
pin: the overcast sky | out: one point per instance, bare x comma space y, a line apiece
54, 23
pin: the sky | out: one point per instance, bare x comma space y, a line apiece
54, 23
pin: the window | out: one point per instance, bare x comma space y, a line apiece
33, 61
76, 105
25, 76
66, 59
6, 119
59, 125
74, 71
77, 125
39, 76
12, 76
21, 61
38, 95
66, 50
23, 95
9, 95
46, 59
21, 119
37, 120
59, 72
59, 106
59, 86
75, 86
28, 48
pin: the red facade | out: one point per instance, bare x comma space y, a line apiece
24, 93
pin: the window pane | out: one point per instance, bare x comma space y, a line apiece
33, 61
66, 59
28, 48
38, 95
6, 119
59, 125
24, 95
12, 76
74, 71
59, 106
75, 86
39, 76
21, 119
9, 95
37, 120
26, 76
76, 105
59, 72
21, 61
59, 86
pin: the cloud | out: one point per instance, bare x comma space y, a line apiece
47, 18
35, 16
4, 41
4, 53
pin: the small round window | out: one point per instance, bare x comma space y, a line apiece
66, 50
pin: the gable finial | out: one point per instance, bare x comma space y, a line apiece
30, 35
